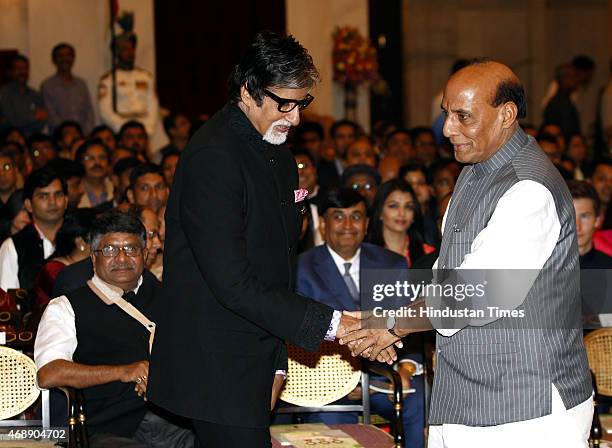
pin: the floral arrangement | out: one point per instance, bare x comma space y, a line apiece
353, 57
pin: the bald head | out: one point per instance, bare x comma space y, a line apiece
498, 80
483, 102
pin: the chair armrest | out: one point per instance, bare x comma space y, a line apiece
395, 379
77, 428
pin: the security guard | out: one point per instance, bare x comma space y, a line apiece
135, 87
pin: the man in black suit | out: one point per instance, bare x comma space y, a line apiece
232, 225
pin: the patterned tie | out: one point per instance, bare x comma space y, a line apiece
350, 283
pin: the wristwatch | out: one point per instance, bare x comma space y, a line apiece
391, 326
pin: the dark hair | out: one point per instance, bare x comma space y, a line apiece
309, 126
66, 168
38, 138
511, 91
418, 130
414, 232
170, 121
18, 57
88, 144
584, 63
344, 122
546, 137
116, 221
393, 133
168, 154
272, 60
583, 190
437, 166
593, 166
100, 128
297, 151
76, 223
42, 178
13, 205
6, 152
458, 65
341, 198
127, 163
508, 90
58, 47
360, 169
142, 169
130, 124
409, 167
5, 133
58, 133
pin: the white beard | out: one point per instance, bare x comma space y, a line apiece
277, 138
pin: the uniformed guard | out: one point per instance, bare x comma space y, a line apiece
136, 98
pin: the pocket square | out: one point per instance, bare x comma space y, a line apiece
300, 194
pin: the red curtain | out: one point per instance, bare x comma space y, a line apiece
198, 42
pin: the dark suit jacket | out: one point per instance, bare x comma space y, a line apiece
232, 228
318, 275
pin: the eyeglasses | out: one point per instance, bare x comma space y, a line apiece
287, 105
98, 158
111, 251
303, 166
362, 186
152, 234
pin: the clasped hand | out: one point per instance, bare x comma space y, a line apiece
368, 337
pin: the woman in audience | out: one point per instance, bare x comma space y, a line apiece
13, 216
396, 221
71, 246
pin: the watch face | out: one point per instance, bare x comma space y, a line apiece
390, 322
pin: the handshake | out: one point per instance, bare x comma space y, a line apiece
368, 336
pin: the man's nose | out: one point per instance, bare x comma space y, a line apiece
121, 256
294, 116
449, 127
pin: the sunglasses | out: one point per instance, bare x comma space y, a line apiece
287, 105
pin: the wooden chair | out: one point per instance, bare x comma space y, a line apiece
18, 389
314, 380
598, 346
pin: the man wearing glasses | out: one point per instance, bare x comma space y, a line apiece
97, 338
233, 221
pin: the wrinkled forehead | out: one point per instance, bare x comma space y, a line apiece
119, 239
463, 93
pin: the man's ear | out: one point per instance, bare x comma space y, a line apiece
598, 221
322, 227
130, 195
246, 97
28, 205
509, 113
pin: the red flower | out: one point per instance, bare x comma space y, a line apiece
353, 57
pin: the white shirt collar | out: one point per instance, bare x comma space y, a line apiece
112, 291
339, 261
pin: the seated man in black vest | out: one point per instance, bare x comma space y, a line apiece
23, 254
97, 338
